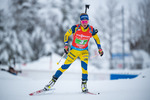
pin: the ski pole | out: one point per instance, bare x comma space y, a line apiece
61, 58
93, 56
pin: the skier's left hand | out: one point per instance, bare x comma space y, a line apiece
100, 51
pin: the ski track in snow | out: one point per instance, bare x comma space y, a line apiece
19, 87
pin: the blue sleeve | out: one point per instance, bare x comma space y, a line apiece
73, 28
93, 32
99, 46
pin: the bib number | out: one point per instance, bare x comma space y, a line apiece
82, 42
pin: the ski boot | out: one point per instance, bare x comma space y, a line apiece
84, 86
50, 84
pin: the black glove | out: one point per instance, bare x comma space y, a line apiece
66, 48
100, 52
96, 30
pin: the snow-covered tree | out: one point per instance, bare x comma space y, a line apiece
33, 28
108, 21
140, 27
70, 12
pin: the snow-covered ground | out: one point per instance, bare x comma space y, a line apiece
37, 74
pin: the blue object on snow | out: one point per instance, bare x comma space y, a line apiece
121, 76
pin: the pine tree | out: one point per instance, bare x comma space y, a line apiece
108, 22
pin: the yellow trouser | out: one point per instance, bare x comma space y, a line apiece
71, 57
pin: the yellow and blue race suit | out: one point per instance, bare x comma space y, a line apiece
79, 48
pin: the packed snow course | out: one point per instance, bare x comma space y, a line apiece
37, 74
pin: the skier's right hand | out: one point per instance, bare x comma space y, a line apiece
66, 48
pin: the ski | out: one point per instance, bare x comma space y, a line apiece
42, 91
91, 93
39, 92
36, 92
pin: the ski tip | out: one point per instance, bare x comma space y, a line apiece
31, 94
92, 93
57, 63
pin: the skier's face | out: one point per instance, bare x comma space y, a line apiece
84, 23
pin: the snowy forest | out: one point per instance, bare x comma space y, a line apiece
31, 29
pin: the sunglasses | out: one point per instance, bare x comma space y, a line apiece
84, 22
